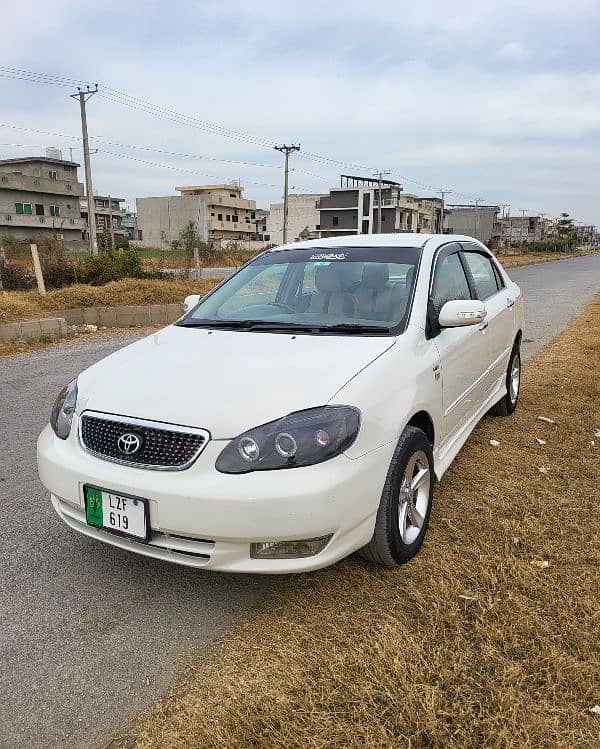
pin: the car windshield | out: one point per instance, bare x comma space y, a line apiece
347, 290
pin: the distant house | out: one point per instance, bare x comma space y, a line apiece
479, 221
109, 213
303, 218
353, 208
219, 213
39, 196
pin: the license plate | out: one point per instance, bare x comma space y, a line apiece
118, 513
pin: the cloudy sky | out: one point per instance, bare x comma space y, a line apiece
498, 100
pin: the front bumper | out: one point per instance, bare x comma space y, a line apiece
202, 518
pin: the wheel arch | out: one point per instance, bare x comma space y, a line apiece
423, 421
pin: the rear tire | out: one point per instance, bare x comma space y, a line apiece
508, 404
405, 506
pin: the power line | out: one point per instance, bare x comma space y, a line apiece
116, 96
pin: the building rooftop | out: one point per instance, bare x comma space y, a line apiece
209, 187
45, 159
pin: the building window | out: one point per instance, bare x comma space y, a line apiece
39, 209
212, 215
227, 217
232, 195
335, 220
253, 214
24, 209
366, 204
55, 210
52, 174
220, 217
365, 227
235, 219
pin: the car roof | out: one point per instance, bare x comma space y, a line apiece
375, 240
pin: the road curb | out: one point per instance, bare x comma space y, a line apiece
54, 327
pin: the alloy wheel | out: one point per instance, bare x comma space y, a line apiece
413, 501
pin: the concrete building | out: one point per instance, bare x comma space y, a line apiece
479, 221
129, 225
109, 212
303, 218
353, 208
587, 235
219, 212
231, 217
516, 230
160, 220
39, 196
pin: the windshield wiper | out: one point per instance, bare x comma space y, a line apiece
273, 326
350, 328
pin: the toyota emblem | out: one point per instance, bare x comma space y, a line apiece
129, 443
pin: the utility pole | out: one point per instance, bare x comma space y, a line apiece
523, 211
110, 220
443, 193
286, 151
477, 220
380, 174
83, 95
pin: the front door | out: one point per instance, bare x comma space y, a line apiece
463, 351
489, 288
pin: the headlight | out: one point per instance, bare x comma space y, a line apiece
302, 438
64, 408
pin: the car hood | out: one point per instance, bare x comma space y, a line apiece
224, 381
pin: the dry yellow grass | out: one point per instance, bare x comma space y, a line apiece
531, 258
356, 656
28, 305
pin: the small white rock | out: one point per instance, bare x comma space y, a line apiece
546, 419
595, 709
543, 470
467, 598
494, 443
516, 540
540, 441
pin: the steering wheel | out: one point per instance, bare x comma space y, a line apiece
281, 305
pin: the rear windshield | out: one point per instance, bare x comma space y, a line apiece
368, 289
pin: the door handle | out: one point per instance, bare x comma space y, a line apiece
510, 302
483, 326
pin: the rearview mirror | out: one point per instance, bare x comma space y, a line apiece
459, 312
190, 302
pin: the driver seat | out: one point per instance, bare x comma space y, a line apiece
330, 297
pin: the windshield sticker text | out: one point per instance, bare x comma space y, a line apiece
329, 256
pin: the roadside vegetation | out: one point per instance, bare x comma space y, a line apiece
489, 637
29, 305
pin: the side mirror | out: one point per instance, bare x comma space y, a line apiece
459, 312
190, 302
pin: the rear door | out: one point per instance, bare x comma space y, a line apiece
463, 351
489, 287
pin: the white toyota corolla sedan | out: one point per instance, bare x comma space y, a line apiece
301, 411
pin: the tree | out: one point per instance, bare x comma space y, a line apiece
192, 245
565, 228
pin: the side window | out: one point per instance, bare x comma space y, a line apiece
483, 274
449, 281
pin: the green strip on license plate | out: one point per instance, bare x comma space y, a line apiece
93, 506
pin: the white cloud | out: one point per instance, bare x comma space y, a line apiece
513, 51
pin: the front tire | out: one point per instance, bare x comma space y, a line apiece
508, 404
405, 506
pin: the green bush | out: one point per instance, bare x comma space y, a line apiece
110, 266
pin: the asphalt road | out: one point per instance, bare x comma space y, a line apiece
90, 634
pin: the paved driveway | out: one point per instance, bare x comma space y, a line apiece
90, 634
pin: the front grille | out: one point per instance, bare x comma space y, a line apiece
141, 443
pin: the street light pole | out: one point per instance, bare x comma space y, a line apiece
380, 174
286, 151
443, 193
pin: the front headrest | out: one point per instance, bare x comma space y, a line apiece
327, 278
409, 277
376, 276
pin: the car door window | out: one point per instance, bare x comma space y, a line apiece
482, 271
449, 281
